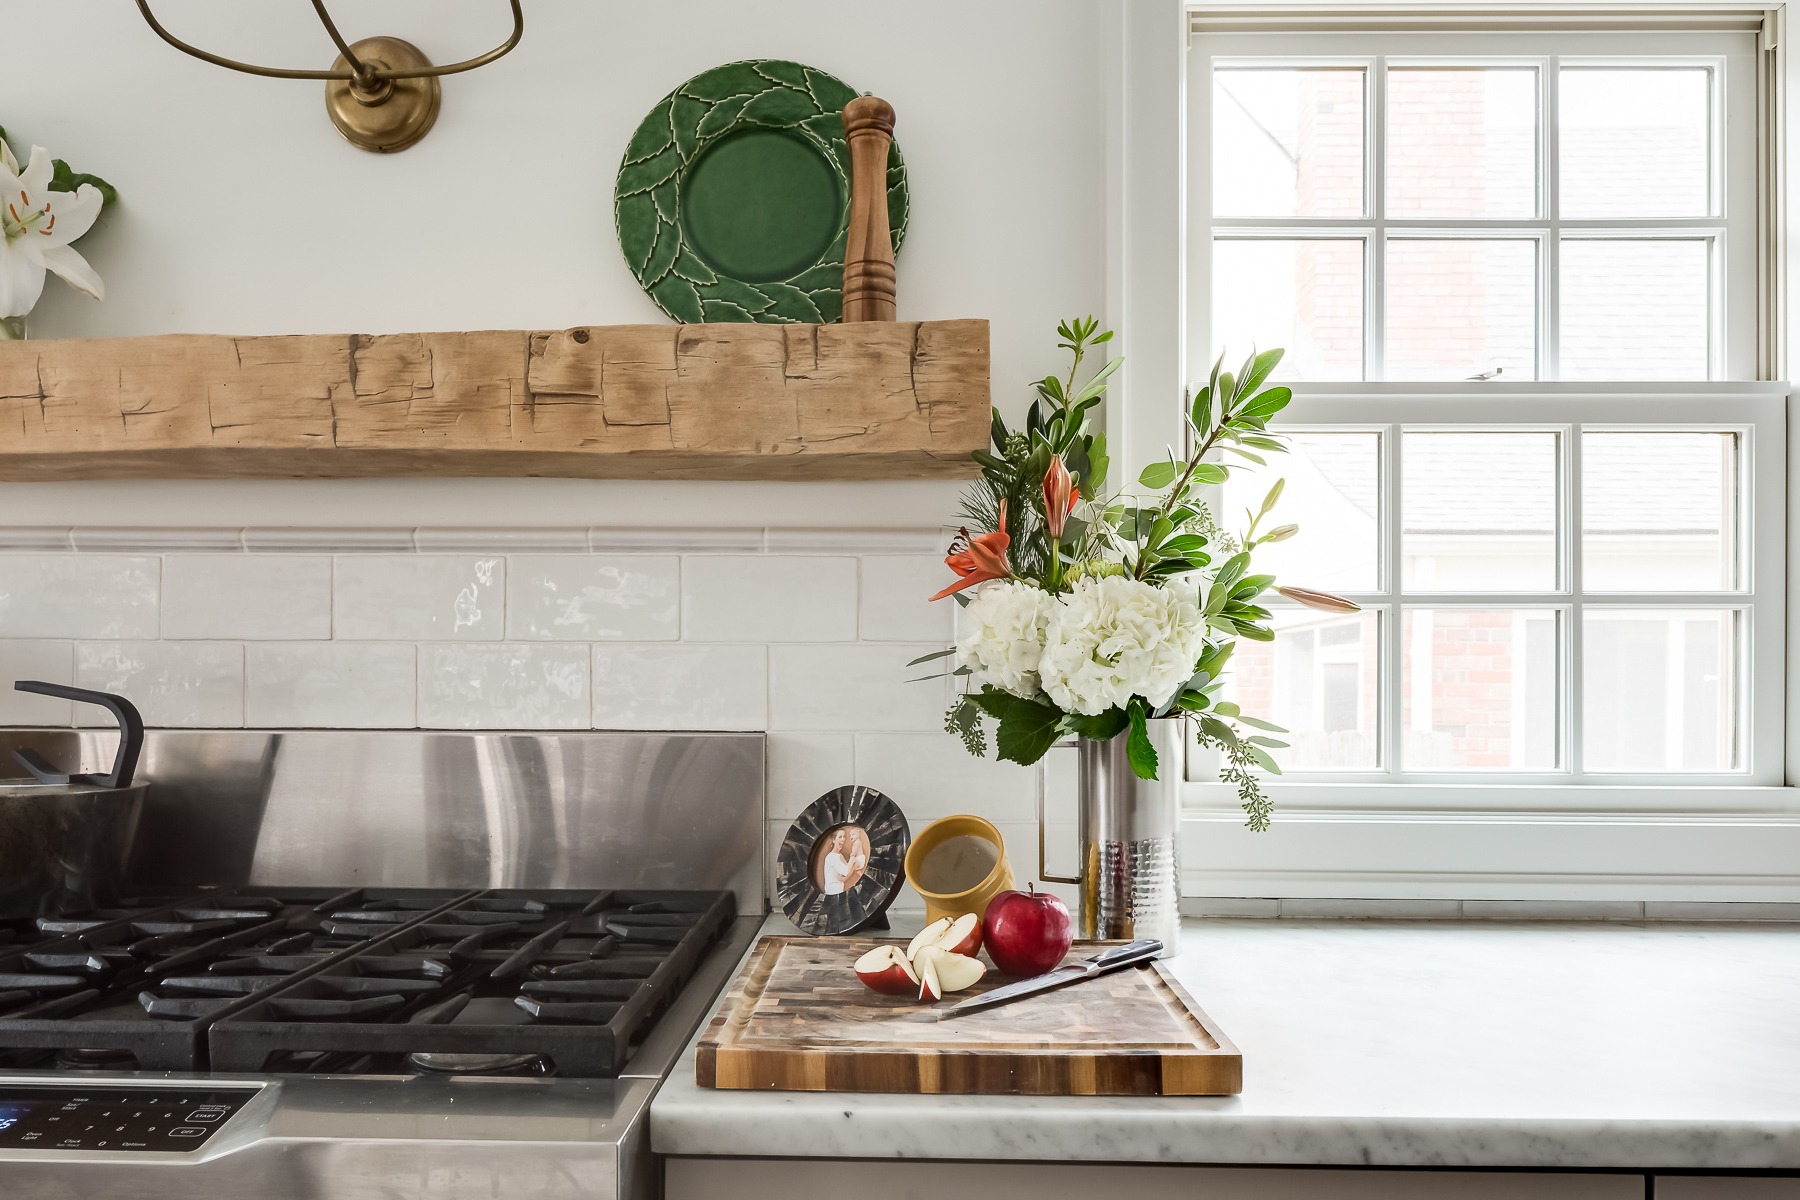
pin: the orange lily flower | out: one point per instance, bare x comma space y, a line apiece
979, 559
1060, 495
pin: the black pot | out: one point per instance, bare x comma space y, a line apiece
63, 837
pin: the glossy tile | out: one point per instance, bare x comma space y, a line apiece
426, 597
250, 596
79, 596
765, 598
582, 598
680, 687
175, 684
503, 686
894, 602
337, 685
48, 662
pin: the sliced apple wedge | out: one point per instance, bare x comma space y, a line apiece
931, 988
963, 937
887, 970
948, 972
929, 936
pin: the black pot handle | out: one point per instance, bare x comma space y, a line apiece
131, 736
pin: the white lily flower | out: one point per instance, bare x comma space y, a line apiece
36, 227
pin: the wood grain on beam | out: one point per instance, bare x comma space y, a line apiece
870, 400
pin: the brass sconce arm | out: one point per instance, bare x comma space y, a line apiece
382, 93
359, 71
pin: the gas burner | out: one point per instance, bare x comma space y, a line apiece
93, 1060
479, 1064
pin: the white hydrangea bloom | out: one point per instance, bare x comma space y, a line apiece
1001, 636
1112, 638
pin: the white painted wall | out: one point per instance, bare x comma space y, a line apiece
244, 212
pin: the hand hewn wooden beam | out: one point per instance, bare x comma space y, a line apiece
874, 400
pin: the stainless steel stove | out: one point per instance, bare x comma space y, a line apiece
550, 918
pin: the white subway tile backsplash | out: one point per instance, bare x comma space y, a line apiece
254, 596
46, 662
680, 687
895, 603
804, 766
790, 540
859, 687
36, 537
503, 686
173, 684
742, 598
481, 540
724, 539
148, 539
584, 598
931, 775
426, 597
303, 540
338, 685
78, 596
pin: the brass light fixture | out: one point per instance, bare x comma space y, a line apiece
381, 93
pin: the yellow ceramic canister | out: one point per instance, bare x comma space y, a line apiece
957, 865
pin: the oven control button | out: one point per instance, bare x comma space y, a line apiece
208, 1113
187, 1131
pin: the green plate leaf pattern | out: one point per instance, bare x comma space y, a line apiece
756, 94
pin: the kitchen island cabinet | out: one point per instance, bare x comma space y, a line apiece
765, 1179
1580, 1057
1715, 1187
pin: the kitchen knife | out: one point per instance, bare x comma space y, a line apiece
1117, 958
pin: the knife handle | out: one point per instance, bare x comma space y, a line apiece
1130, 952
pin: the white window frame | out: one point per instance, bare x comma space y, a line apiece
1730, 231
1500, 839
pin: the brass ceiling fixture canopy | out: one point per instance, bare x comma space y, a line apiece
382, 93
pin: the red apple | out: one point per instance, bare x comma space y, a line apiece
1027, 933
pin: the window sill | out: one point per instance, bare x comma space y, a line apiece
1497, 842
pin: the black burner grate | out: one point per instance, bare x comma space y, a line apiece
139, 984
564, 981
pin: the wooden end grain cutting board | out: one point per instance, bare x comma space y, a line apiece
798, 1019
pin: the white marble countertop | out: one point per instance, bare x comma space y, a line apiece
1447, 1044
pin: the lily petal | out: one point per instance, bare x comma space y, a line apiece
75, 214
7, 160
21, 277
67, 262
36, 176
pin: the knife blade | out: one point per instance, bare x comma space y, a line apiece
1116, 958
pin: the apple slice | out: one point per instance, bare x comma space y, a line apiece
931, 989
928, 936
887, 970
950, 972
963, 937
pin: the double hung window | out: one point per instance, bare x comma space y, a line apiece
1516, 276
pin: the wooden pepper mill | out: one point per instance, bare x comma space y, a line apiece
869, 256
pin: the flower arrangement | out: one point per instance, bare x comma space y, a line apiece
1090, 614
43, 208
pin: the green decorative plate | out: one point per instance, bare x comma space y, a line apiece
733, 202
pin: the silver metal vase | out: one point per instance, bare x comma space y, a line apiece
1130, 877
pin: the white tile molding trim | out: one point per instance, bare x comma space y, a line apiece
571, 539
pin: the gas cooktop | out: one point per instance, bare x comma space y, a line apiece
359, 981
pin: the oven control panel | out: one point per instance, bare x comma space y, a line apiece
176, 1118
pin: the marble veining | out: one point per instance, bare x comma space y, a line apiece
1420, 1044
